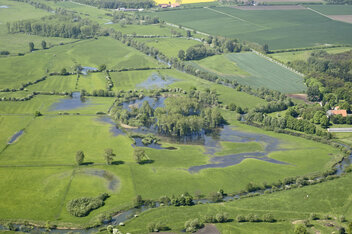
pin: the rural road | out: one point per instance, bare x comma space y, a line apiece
340, 130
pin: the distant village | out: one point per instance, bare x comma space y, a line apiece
173, 5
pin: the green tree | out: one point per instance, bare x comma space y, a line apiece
189, 33
181, 54
324, 121
109, 156
31, 46
102, 67
79, 157
63, 71
37, 114
300, 229
139, 155
43, 45
266, 48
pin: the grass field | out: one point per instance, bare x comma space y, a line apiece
183, 1
170, 46
279, 29
330, 198
253, 70
90, 53
333, 9
304, 55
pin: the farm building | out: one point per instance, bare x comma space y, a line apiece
164, 5
337, 112
175, 5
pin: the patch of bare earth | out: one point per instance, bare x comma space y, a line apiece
299, 96
270, 8
343, 18
208, 229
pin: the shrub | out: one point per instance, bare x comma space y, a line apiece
241, 218
314, 216
81, 207
193, 225
268, 218
156, 227
221, 217
253, 218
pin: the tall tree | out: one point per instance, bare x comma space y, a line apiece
79, 157
43, 45
181, 54
109, 156
31, 46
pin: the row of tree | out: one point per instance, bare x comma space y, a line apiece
114, 4
67, 26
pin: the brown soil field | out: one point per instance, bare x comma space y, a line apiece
343, 18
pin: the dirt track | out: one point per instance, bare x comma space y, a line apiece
343, 18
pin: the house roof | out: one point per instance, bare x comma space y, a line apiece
339, 112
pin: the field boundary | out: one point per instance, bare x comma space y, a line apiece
277, 62
235, 17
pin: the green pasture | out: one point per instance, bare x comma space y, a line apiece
91, 53
19, 11
129, 79
10, 125
58, 83
170, 46
279, 29
329, 198
286, 57
253, 70
150, 29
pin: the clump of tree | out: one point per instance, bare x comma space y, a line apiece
81, 207
218, 218
184, 199
157, 227
79, 157
125, 18
193, 225
198, 52
67, 26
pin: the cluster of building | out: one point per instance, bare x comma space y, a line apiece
129, 9
173, 5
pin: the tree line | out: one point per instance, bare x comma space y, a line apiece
114, 4
67, 26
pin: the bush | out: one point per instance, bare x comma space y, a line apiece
193, 225
157, 227
241, 218
81, 207
314, 216
268, 218
253, 218
221, 217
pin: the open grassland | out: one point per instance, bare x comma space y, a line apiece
286, 57
63, 136
170, 46
46, 104
130, 79
86, 53
10, 125
253, 70
330, 198
279, 29
150, 29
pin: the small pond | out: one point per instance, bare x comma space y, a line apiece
4, 7
156, 81
113, 129
153, 102
86, 70
70, 103
15, 136
112, 180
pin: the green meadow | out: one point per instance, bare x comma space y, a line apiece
39, 174
289, 207
286, 57
170, 46
280, 29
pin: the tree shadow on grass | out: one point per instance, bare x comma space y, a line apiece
117, 162
87, 163
149, 161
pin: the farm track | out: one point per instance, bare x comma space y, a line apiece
235, 17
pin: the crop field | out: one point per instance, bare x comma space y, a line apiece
253, 70
333, 9
286, 57
150, 29
170, 46
280, 29
183, 1
292, 207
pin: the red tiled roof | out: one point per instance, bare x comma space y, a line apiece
339, 112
